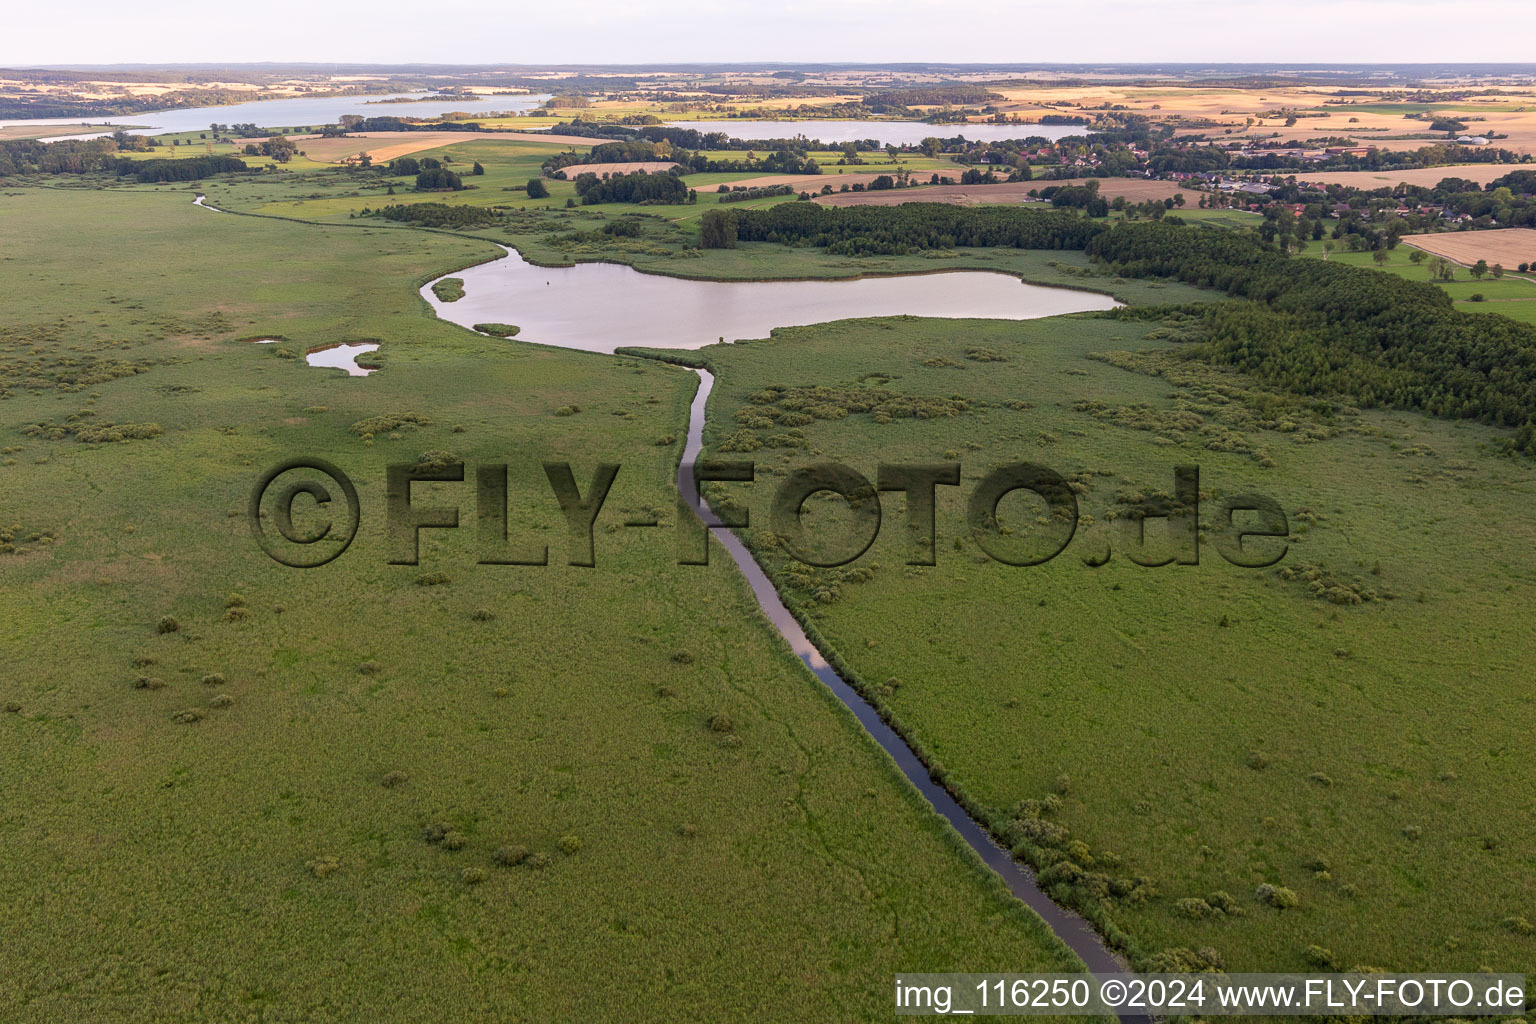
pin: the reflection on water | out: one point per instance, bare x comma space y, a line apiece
602, 306
343, 357
887, 133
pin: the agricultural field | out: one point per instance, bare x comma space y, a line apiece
1137, 714
629, 756
1425, 177
1507, 246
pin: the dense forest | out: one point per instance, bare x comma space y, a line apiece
898, 230
178, 170
438, 215
638, 187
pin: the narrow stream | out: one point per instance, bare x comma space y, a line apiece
1072, 930
1075, 932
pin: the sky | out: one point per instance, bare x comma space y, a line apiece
874, 31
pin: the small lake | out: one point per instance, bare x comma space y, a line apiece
289, 113
887, 133
342, 357
602, 306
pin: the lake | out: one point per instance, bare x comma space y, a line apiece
887, 133
288, 113
602, 306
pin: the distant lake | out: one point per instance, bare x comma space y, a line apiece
297, 112
556, 305
892, 133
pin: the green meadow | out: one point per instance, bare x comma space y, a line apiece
1321, 764
1513, 295
1286, 768
237, 790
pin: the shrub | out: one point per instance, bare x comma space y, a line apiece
168, 625
473, 876
1277, 896
213, 679
436, 832
187, 717
569, 844
1321, 958
1224, 902
1193, 908
482, 615
369, 668
432, 579
393, 780
510, 856
221, 700
1412, 832
455, 840
1520, 925
537, 189
721, 723
682, 658
237, 614
538, 861
148, 683
567, 410
499, 330
323, 867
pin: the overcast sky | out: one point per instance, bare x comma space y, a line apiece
647, 31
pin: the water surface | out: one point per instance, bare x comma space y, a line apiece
342, 357
602, 306
288, 113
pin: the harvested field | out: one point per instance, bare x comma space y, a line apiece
385, 146
1509, 246
1135, 190
1425, 176
604, 170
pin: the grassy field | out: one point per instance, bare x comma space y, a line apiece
1513, 295
231, 816
1204, 730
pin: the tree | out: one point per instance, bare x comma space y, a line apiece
1498, 271
477, 169
537, 189
1479, 269
932, 146
1379, 257
1416, 256
717, 229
